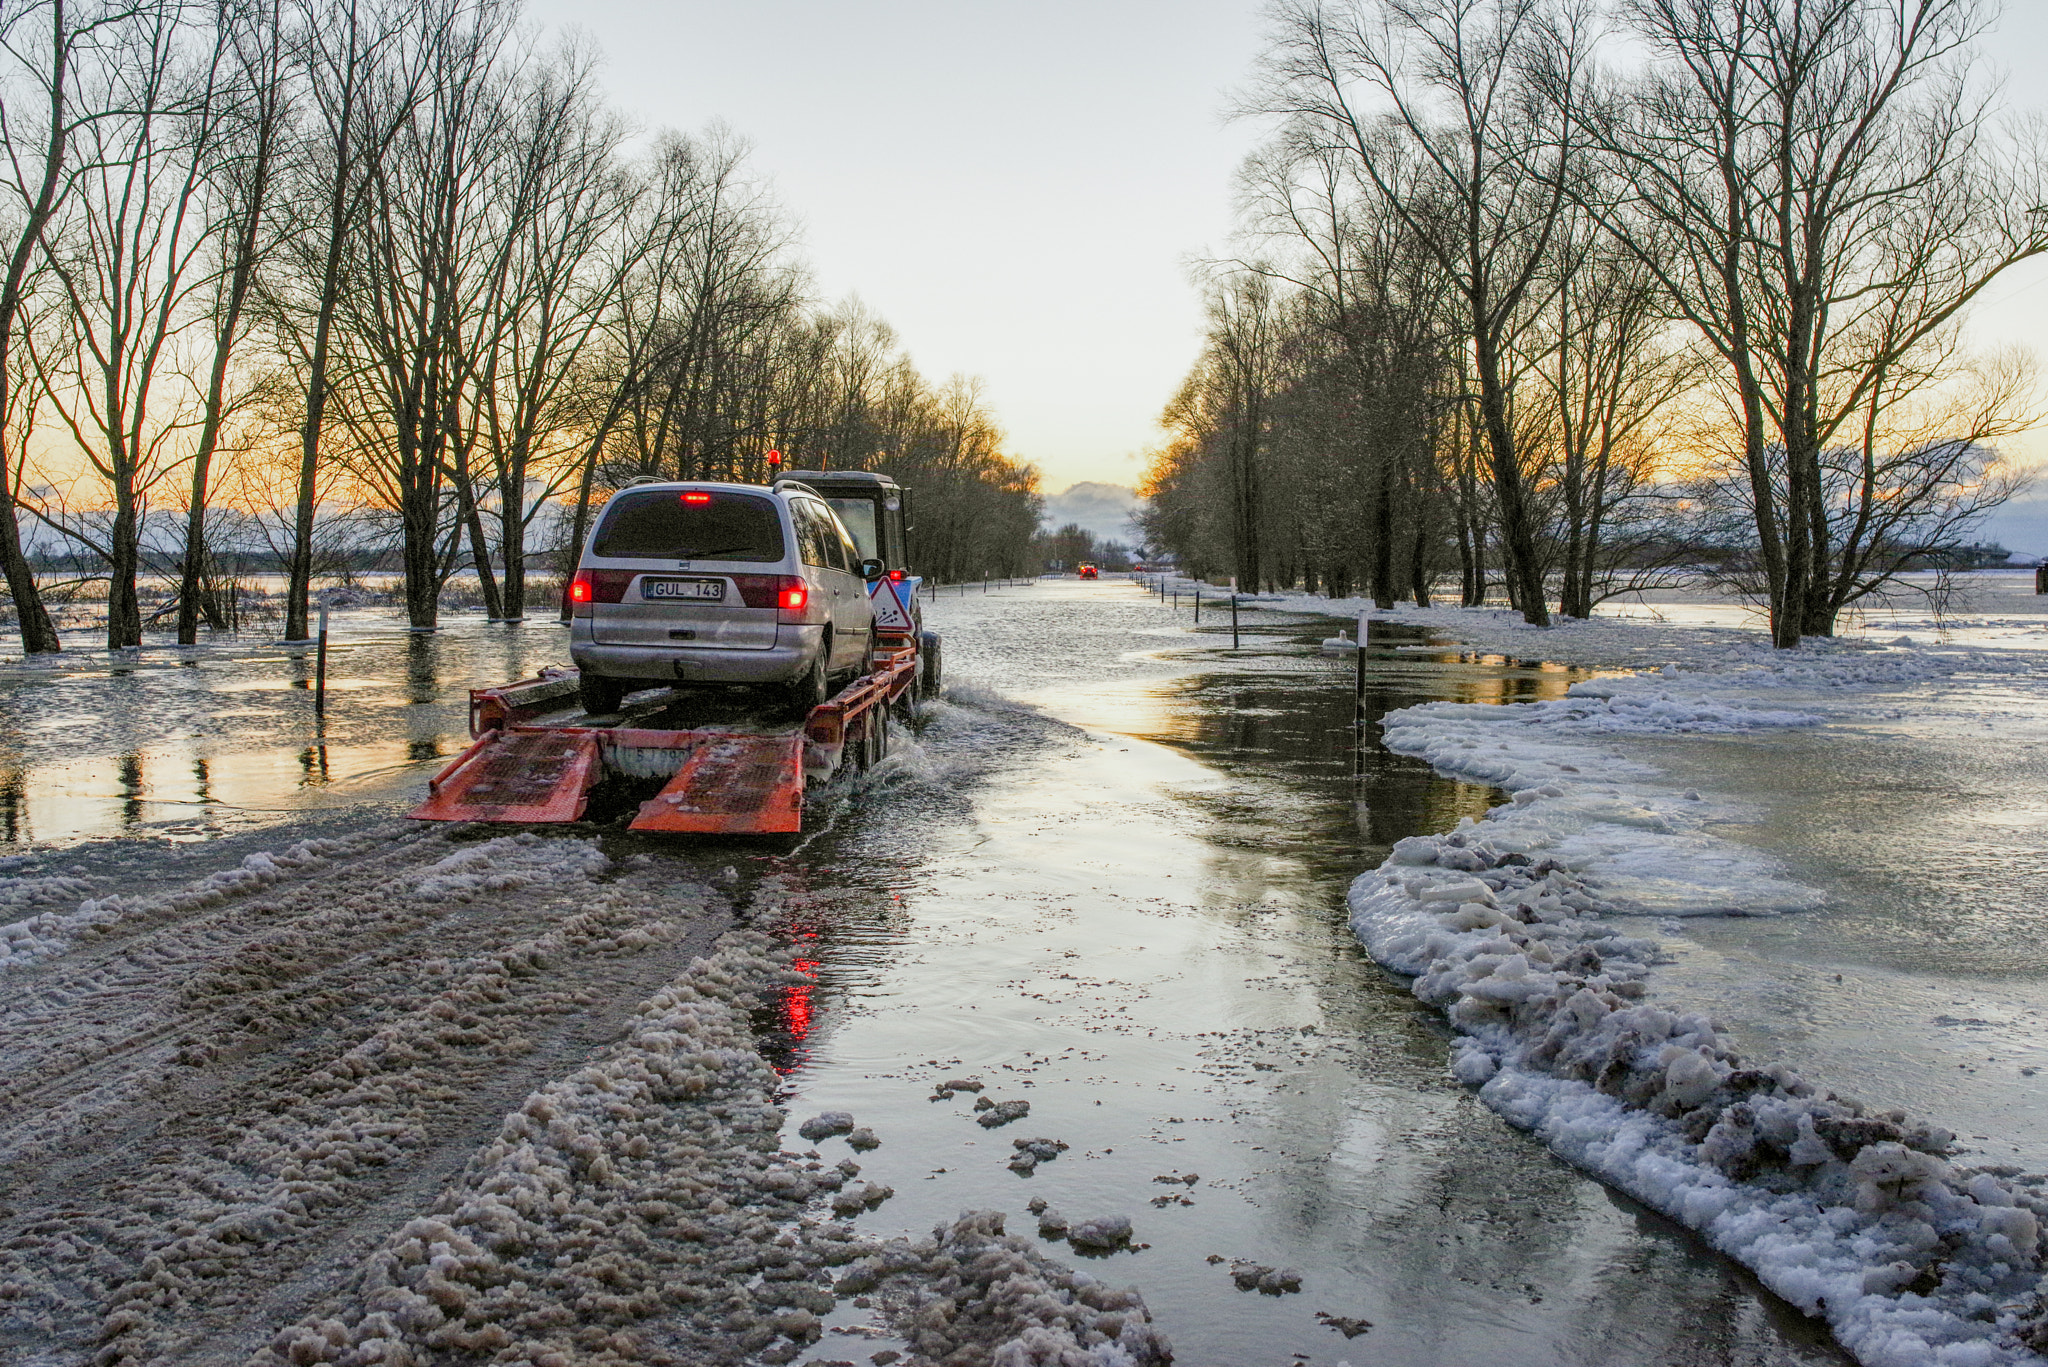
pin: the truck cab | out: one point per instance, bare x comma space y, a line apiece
874, 509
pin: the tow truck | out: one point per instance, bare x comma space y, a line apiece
536, 757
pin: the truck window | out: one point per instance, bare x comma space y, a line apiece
659, 524
859, 516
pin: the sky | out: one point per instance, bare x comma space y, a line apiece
1020, 187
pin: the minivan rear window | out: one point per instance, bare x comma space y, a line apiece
664, 524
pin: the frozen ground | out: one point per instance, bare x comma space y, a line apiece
1853, 837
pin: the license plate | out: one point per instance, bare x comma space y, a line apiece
653, 590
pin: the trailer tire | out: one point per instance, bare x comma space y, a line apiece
930, 666
598, 694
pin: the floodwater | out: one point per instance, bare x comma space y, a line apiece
180, 745
1131, 919
1106, 879
1995, 607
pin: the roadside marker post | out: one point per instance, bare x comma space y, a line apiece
320, 667
1358, 702
1233, 612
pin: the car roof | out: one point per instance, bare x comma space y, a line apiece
722, 486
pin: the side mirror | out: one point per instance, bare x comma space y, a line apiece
872, 569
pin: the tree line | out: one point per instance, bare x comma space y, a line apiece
315, 274
1570, 299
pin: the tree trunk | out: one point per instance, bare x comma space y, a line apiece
38, 632
124, 559
1518, 538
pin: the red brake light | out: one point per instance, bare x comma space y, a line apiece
895, 576
696, 498
771, 590
599, 586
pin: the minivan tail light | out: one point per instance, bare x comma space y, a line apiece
599, 586
785, 591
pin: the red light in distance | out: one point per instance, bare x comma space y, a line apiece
895, 576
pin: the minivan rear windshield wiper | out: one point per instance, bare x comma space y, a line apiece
754, 551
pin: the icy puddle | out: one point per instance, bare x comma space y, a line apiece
1919, 982
1133, 925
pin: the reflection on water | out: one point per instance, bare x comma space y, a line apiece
185, 745
1140, 930
179, 794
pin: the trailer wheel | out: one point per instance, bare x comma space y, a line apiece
599, 694
929, 667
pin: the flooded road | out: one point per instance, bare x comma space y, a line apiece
1106, 879
1132, 922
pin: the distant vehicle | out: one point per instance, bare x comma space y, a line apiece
691, 583
1089, 572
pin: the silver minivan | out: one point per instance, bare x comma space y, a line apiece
693, 583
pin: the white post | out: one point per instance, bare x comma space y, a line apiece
320, 668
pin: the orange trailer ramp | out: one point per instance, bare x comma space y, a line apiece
732, 784
516, 774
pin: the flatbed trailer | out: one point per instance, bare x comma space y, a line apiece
536, 756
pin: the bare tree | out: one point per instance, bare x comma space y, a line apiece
124, 257
425, 256
1225, 402
1376, 291
361, 92
1458, 146
1813, 187
41, 115
564, 199
1610, 365
255, 94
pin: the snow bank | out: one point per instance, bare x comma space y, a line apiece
54, 932
1642, 846
1846, 1214
1503, 925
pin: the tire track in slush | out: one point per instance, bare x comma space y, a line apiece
212, 1111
